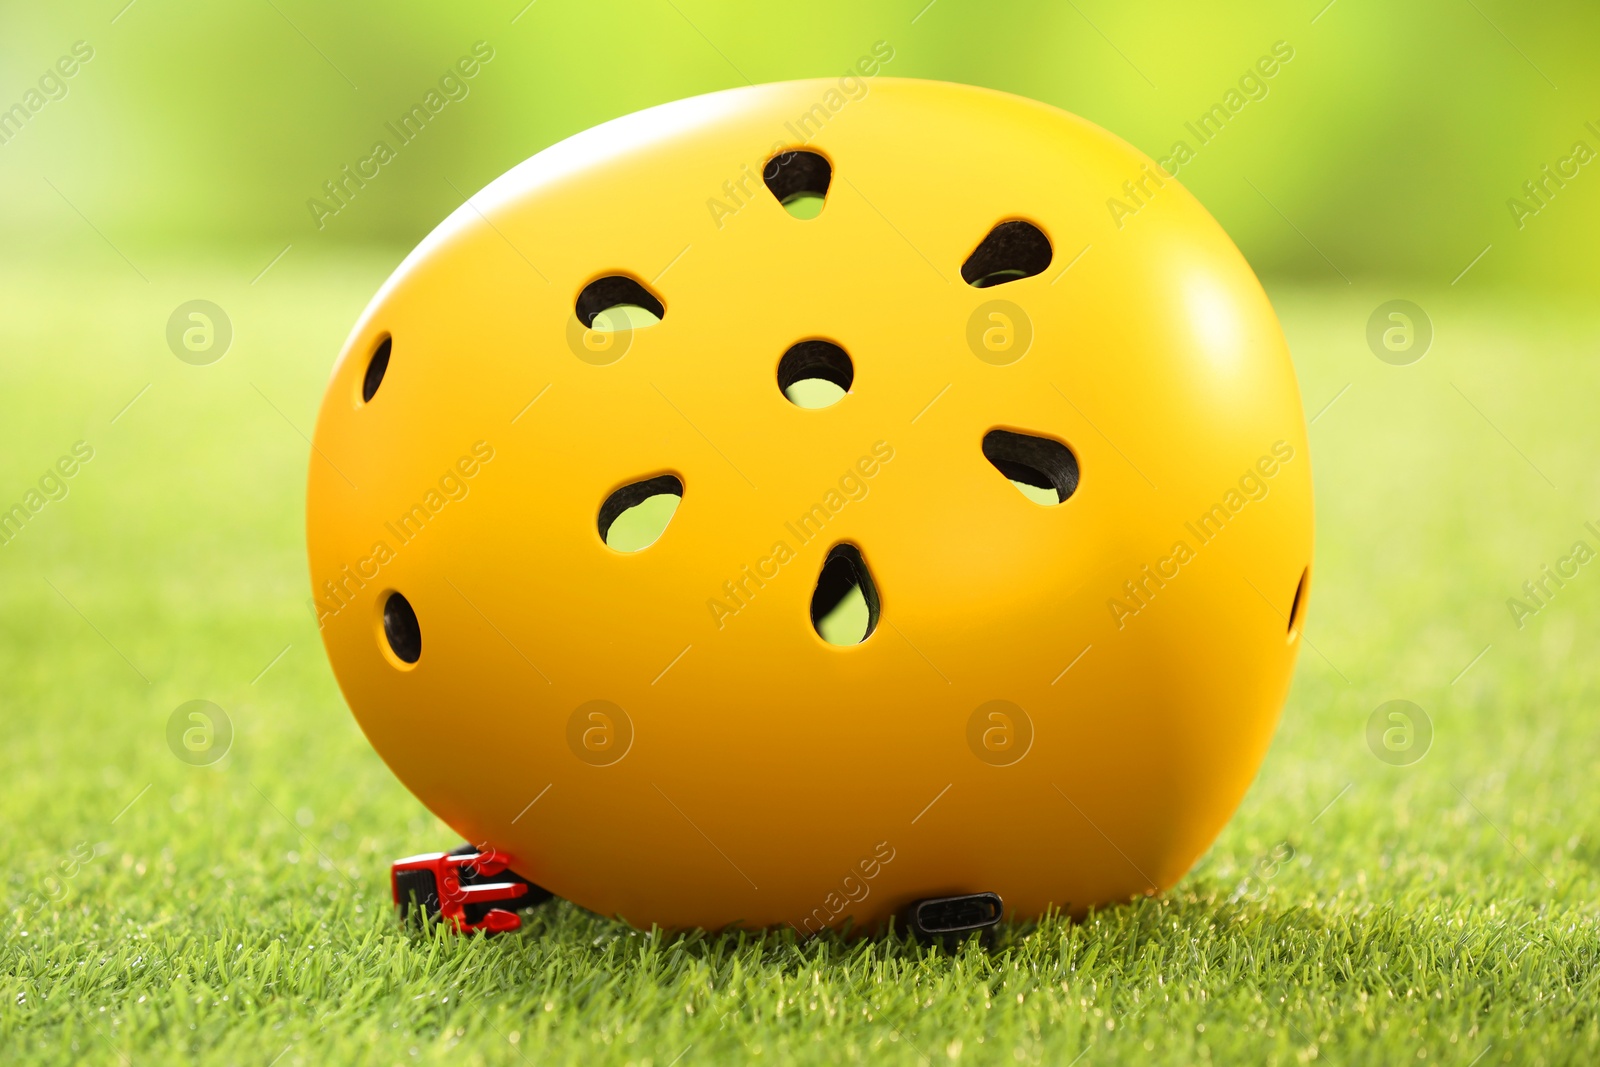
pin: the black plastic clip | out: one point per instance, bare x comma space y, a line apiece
953, 919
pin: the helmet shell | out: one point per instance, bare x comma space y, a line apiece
1061, 704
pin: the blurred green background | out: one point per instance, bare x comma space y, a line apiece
1391, 142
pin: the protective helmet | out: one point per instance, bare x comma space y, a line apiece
796, 502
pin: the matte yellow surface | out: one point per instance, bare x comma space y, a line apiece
772, 777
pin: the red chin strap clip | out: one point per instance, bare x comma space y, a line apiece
456, 887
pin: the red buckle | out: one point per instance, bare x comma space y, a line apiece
452, 895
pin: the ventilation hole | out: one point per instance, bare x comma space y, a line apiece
376, 366
618, 302
800, 182
1013, 250
1045, 471
1299, 602
635, 516
844, 608
401, 628
815, 374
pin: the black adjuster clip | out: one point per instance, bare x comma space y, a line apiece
951, 919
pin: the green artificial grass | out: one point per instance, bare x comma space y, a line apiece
1353, 911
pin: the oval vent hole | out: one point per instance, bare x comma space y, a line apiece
844, 607
1013, 250
376, 367
815, 374
635, 516
800, 182
1298, 604
1043, 470
401, 628
618, 302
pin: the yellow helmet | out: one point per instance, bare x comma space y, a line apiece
796, 502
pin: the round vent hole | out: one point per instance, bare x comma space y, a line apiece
377, 366
401, 628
